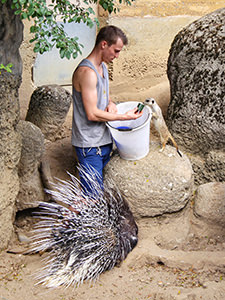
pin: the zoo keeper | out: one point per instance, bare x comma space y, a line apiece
92, 105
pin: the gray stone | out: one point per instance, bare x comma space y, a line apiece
196, 74
209, 203
215, 166
31, 190
157, 184
210, 168
48, 108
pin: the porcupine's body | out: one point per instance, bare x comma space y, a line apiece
92, 235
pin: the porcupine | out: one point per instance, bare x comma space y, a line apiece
85, 234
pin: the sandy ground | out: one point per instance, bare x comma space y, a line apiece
160, 267
168, 262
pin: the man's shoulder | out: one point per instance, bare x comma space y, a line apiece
85, 71
84, 75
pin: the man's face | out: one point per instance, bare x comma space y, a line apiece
113, 51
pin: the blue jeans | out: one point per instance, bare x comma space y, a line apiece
95, 158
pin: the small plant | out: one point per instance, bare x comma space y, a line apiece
6, 68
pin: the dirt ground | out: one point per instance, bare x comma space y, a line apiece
169, 262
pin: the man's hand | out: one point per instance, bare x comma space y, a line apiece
111, 107
133, 114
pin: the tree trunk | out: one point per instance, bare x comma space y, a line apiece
11, 35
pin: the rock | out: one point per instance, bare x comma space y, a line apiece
215, 166
210, 168
157, 184
209, 203
196, 74
32, 148
10, 151
208, 222
48, 108
31, 190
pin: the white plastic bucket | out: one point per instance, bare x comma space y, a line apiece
131, 137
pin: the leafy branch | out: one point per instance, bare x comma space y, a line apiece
49, 32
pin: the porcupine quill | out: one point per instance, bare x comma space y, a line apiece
85, 235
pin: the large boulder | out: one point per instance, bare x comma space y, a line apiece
31, 189
157, 184
196, 115
209, 211
48, 108
209, 203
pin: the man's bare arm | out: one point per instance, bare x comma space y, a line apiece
87, 83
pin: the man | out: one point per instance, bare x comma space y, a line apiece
92, 106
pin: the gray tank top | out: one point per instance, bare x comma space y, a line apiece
87, 133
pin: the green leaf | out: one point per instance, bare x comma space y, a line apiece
68, 54
17, 12
75, 54
33, 40
62, 53
90, 9
24, 15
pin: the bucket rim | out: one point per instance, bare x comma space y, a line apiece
135, 128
